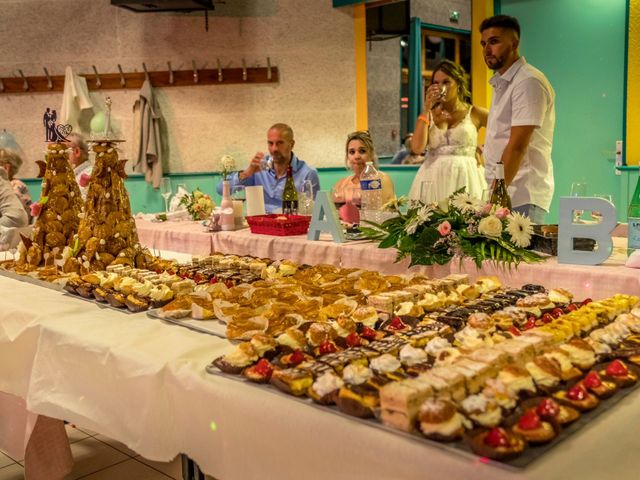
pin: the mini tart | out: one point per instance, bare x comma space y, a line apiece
497, 443
558, 415
260, 372
288, 360
600, 387
234, 362
620, 373
533, 428
578, 397
136, 304
85, 290
100, 294
292, 381
116, 299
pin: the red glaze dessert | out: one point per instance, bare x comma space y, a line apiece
533, 429
550, 411
260, 372
579, 397
289, 360
497, 443
620, 373
326, 347
595, 384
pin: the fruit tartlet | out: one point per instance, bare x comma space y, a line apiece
261, 372
620, 373
578, 397
558, 415
497, 443
533, 428
602, 388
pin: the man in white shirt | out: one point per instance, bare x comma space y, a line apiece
79, 160
521, 120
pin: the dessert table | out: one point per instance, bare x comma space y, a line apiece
584, 281
143, 382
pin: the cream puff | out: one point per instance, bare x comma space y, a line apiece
440, 420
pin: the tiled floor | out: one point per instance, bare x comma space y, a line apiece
97, 457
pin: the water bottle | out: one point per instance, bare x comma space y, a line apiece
371, 194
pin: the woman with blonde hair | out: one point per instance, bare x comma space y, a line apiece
359, 150
448, 129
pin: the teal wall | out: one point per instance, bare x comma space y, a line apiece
147, 200
580, 46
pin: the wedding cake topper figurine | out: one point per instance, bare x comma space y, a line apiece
54, 133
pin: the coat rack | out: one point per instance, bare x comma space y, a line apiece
163, 78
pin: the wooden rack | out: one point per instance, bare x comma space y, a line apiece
164, 78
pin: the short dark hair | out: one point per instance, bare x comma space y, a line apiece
501, 21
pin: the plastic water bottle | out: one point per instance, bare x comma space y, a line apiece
371, 194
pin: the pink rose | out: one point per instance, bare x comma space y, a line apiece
84, 180
36, 208
486, 210
502, 213
444, 228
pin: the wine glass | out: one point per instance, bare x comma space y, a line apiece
578, 189
595, 214
165, 191
306, 197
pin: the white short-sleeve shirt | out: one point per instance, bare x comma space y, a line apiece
523, 96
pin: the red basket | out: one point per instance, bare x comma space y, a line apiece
281, 225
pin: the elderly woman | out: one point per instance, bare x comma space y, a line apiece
10, 163
359, 151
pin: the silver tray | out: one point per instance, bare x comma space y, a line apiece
104, 305
531, 454
210, 327
30, 279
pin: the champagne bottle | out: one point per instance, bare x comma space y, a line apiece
633, 217
499, 194
290, 195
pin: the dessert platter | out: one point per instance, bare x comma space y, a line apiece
501, 373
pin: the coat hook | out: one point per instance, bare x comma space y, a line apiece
195, 72
146, 73
49, 82
268, 68
98, 82
25, 84
244, 70
170, 74
219, 70
123, 82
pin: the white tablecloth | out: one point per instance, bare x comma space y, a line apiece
143, 382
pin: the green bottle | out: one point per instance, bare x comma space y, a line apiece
499, 194
290, 195
633, 217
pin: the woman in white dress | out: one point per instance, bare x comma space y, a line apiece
448, 129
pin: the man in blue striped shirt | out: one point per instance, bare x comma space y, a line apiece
270, 170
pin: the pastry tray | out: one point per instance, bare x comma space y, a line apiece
210, 327
531, 454
30, 279
101, 304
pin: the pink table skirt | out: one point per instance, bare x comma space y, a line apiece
188, 236
40, 440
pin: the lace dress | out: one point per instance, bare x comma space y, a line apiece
450, 162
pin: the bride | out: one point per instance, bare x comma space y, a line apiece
448, 129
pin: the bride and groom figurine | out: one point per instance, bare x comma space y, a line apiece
53, 132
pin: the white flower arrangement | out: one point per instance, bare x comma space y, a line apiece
460, 226
227, 165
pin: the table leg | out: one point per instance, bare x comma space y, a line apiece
190, 469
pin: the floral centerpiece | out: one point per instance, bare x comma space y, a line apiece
459, 225
226, 166
199, 205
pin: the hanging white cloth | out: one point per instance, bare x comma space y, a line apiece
75, 98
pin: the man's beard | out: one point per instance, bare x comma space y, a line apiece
497, 64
